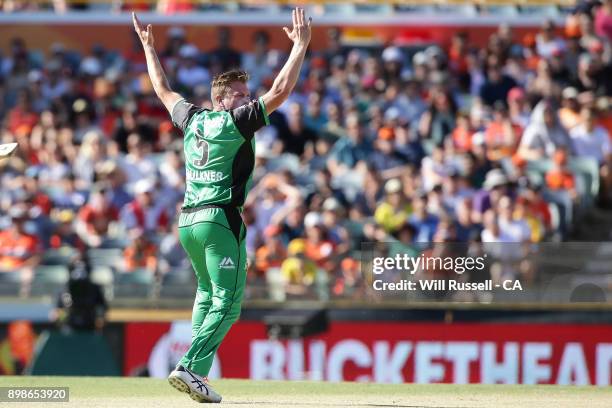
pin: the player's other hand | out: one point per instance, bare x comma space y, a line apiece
145, 35
300, 34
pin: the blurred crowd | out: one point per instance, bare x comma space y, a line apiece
451, 143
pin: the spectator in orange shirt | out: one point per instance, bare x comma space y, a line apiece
140, 253
272, 253
502, 137
95, 218
462, 135
318, 248
559, 177
18, 248
22, 116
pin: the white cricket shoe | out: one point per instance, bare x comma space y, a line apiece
196, 386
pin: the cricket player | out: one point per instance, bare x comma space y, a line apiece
219, 159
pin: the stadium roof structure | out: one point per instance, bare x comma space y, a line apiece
265, 12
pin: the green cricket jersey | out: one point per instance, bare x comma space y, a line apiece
219, 151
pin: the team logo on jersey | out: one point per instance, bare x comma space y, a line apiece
226, 263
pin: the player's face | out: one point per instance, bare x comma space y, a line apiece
237, 96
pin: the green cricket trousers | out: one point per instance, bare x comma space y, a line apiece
213, 237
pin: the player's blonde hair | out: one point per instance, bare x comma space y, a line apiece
221, 82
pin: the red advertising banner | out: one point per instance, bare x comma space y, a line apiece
391, 353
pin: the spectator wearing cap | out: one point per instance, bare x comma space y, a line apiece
394, 210
18, 248
95, 218
332, 219
318, 246
544, 135
141, 253
65, 234
569, 114
189, 73
494, 187
385, 156
547, 41
502, 137
393, 63
145, 211
110, 173
272, 253
297, 270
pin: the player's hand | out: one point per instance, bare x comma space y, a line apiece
145, 35
300, 34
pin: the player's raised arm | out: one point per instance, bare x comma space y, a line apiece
287, 77
156, 72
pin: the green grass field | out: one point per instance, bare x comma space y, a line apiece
105, 392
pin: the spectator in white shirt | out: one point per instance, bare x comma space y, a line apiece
592, 140
516, 228
190, 74
589, 139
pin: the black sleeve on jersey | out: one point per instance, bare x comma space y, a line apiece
182, 113
249, 118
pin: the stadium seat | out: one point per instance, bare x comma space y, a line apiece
589, 169
178, 284
540, 166
276, 284
49, 280
103, 276
135, 284
114, 243
112, 257
10, 283
61, 256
